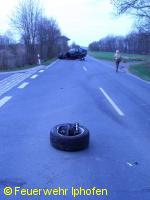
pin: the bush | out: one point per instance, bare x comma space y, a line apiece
20, 56
7, 59
12, 57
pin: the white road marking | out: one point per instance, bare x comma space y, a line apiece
4, 100
129, 164
23, 85
112, 102
34, 76
85, 69
140, 79
41, 71
13, 80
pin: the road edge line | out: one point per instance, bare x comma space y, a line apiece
4, 100
53, 63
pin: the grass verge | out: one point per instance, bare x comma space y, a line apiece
11, 69
141, 70
102, 55
110, 56
48, 62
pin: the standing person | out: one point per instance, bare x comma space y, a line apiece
117, 59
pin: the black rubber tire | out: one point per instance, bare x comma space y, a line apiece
69, 143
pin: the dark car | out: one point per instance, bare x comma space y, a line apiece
76, 53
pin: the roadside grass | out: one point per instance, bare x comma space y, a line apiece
11, 69
48, 62
102, 55
126, 57
142, 70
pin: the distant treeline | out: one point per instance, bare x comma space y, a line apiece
135, 42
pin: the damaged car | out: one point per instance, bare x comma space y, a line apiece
74, 53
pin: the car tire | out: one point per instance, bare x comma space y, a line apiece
69, 143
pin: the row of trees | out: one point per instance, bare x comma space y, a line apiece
135, 42
38, 35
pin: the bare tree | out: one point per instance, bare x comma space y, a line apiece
4, 41
94, 46
50, 39
25, 20
139, 8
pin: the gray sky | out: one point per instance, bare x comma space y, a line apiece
83, 21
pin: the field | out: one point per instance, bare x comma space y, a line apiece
126, 57
141, 70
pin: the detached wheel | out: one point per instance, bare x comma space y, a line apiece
69, 137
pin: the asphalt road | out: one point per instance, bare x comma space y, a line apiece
115, 107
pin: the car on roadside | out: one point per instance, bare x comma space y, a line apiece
74, 53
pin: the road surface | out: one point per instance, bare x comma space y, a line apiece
115, 107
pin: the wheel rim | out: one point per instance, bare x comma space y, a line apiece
69, 130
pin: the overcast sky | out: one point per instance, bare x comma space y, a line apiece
83, 21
